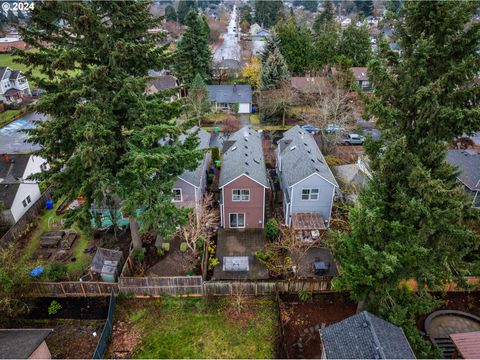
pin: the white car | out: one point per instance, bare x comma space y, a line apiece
353, 139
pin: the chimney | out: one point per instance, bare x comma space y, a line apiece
6, 158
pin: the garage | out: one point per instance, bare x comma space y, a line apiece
244, 108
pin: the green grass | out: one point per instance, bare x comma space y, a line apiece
201, 327
254, 119
7, 60
7, 116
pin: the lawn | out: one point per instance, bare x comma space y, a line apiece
195, 328
7, 116
7, 60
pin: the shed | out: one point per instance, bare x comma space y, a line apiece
106, 263
24, 344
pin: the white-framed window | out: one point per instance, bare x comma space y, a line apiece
237, 220
310, 194
240, 195
177, 195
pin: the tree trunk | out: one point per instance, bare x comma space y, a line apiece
283, 118
137, 242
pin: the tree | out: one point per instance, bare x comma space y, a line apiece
326, 19
310, 5
364, 7
204, 26
296, 46
413, 220
266, 12
251, 72
103, 133
276, 101
197, 99
170, 13
274, 73
272, 43
246, 14
183, 9
355, 45
193, 55
326, 37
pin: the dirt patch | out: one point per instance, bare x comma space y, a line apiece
72, 308
125, 338
348, 154
302, 320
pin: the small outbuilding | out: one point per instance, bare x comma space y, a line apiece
24, 344
106, 263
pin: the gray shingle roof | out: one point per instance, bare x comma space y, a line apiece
244, 156
468, 163
230, 94
21, 343
301, 157
365, 336
8, 193
13, 168
164, 82
194, 177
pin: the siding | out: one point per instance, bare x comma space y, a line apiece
253, 209
324, 203
24, 190
188, 194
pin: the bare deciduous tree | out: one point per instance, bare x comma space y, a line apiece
276, 102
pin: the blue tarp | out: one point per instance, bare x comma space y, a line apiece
36, 272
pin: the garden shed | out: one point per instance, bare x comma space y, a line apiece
106, 263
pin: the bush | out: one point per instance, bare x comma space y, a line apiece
215, 154
272, 229
212, 263
56, 271
54, 308
183, 247
160, 251
236, 107
304, 295
138, 254
166, 246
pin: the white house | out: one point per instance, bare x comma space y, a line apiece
17, 192
13, 85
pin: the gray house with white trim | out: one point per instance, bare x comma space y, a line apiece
190, 186
306, 180
224, 97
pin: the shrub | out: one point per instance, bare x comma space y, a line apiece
304, 295
333, 160
160, 251
236, 107
212, 263
54, 308
272, 230
56, 271
166, 246
138, 254
183, 247
215, 154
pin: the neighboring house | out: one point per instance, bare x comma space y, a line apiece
261, 34
361, 76
8, 44
163, 83
254, 28
468, 164
13, 86
190, 186
306, 84
18, 193
307, 182
243, 181
227, 68
395, 48
364, 336
24, 344
225, 97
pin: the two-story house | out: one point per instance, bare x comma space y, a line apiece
13, 86
306, 180
243, 181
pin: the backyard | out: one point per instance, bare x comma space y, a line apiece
234, 327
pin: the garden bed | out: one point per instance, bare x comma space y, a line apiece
234, 327
84, 308
301, 321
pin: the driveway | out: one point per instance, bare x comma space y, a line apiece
244, 120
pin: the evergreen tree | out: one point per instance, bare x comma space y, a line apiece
271, 44
364, 7
101, 123
310, 5
296, 46
326, 37
355, 45
193, 55
266, 12
205, 28
326, 19
413, 220
183, 9
274, 73
246, 14
170, 13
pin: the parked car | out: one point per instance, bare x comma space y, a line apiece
353, 139
333, 128
310, 128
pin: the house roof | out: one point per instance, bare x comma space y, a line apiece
194, 177
21, 343
229, 64
468, 163
12, 167
14, 74
301, 157
468, 344
7, 194
12, 91
164, 82
360, 73
365, 336
305, 83
244, 156
230, 94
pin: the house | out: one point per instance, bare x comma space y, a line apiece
190, 186
18, 193
254, 28
468, 164
306, 84
307, 182
24, 344
364, 336
360, 74
10, 43
261, 34
227, 68
467, 345
227, 97
395, 48
13, 86
163, 82
243, 181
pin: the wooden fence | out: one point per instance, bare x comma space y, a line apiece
154, 286
17, 230
73, 289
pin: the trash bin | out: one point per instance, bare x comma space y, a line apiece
49, 204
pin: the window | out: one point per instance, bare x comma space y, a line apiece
237, 220
241, 195
177, 195
29, 199
24, 203
310, 194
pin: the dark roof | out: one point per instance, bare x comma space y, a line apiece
365, 336
230, 94
8, 193
306, 83
468, 164
301, 157
12, 91
14, 74
229, 64
164, 82
194, 177
21, 343
360, 73
2, 71
12, 166
244, 156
